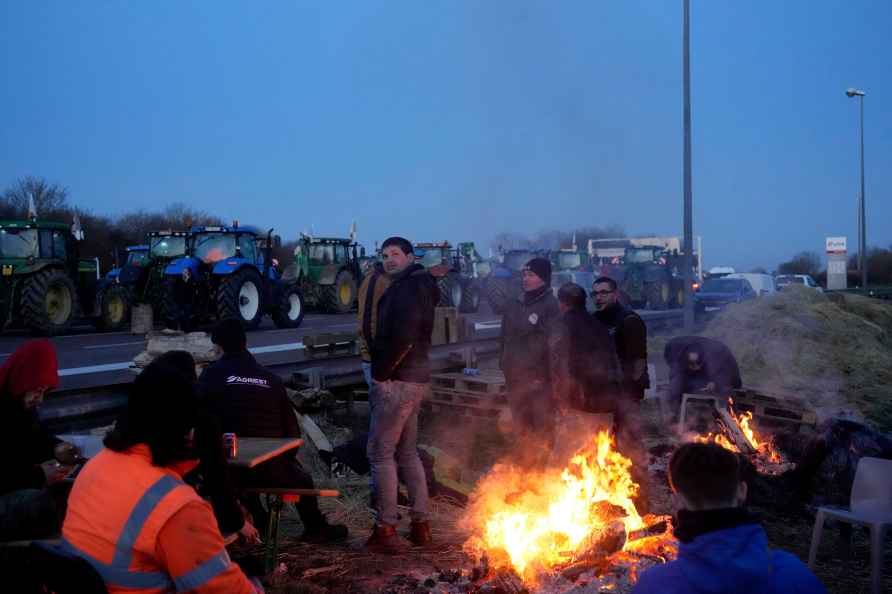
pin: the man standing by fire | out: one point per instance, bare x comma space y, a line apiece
630, 340
530, 332
399, 349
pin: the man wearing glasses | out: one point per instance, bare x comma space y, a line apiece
630, 340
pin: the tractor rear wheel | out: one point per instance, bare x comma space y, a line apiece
289, 312
238, 297
115, 304
341, 296
470, 298
49, 302
658, 295
450, 290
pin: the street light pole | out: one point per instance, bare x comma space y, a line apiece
862, 225
688, 200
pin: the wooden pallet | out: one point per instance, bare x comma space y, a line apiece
489, 382
477, 398
435, 405
762, 407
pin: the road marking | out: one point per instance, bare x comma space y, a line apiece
276, 348
95, 369
115, 345
488, 325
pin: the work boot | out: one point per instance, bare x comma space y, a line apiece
421, 534
324, 532
385, 540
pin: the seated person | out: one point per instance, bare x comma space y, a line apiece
132, 517
723, 548
250, 401
212, 478
32, 493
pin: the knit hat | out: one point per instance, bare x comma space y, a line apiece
541, 268
32, 366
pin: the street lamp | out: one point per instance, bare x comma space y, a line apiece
862, 227
686, 171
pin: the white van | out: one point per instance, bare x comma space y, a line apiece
762, 284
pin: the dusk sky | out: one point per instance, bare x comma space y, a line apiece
459, 119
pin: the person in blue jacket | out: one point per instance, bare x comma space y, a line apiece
722, 548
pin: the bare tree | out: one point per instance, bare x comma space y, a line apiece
48, 198
802, 263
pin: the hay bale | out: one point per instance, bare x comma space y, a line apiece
834, 352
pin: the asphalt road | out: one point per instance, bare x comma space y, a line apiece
88, 358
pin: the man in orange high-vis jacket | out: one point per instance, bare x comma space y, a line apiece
132, 517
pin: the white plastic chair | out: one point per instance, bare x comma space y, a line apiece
870, 505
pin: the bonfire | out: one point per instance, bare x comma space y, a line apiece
564, 525
745, 440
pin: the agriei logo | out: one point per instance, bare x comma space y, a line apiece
247, 381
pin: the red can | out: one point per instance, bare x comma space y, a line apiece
230, 445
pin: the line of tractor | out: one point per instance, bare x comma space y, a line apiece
194, 276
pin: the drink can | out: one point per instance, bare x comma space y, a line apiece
230, 445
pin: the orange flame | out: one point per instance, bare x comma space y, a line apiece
764, 448
544, 519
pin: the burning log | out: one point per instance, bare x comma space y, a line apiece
732, 430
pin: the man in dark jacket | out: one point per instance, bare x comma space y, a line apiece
399, 347
723, 548
589, 369
630, 341
250, 401
699, 365
530, 336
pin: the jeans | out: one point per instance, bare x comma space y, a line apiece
367, 373
393, 434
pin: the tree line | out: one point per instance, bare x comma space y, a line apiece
879, 267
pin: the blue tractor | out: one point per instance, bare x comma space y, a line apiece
228, 273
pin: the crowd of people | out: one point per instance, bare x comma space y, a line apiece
155, 508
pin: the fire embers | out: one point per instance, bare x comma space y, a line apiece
737, 434
554, 526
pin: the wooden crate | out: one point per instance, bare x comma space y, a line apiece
330, 345
488, 382
773, 407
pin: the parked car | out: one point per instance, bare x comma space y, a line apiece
785, 280
716, 293
763, 284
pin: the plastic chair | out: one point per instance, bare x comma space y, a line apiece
870, 505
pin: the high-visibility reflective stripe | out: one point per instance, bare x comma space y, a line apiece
203, 573
141, 511
120, 576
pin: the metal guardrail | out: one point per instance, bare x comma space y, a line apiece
91, 406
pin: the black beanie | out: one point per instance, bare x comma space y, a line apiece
541, 268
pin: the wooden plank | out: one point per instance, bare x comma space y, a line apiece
312, 430
253, 451
732, 430
488, 382
469, 397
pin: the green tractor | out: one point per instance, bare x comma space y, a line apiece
457, 272
139, 280
327, 270
44, 282
649, 276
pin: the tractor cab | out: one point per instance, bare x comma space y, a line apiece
44, 282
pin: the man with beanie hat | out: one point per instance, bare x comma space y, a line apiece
530, 335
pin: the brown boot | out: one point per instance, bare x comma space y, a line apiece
421, 534
385, 540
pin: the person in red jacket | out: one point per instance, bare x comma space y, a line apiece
131, 516
34, 462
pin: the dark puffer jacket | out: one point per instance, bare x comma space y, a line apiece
405, 320
530, 334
